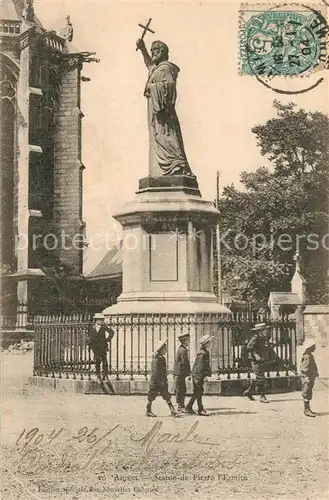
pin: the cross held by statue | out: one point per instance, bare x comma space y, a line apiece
146, 29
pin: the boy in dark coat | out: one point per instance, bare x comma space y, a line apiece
309, 372
159, 380
99, 344
182, 370
257, 348
201, 369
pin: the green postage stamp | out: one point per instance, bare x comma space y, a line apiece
282, 40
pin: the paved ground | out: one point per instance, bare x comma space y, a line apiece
64, 446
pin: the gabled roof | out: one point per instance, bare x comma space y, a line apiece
297, 276
109, 266
284, 298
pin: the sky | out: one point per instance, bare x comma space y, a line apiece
216, 106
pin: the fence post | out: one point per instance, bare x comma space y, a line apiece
299, 325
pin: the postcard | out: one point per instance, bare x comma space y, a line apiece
164, 246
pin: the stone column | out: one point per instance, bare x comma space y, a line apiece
68, 167
190, 281
22, 242
298, 286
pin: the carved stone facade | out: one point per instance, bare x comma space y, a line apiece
41, 156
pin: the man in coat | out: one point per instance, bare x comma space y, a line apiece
201, 369
257, 348
182, 370
309, 372
98, 342
159, 380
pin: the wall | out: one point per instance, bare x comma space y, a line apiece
316, 326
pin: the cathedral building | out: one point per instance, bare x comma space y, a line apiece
42, 227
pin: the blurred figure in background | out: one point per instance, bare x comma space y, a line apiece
257, 348
309, 372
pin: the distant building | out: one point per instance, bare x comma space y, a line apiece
40, 151
104, 282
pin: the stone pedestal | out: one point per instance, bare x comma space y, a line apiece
167, 254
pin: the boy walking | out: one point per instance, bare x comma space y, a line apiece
182, 370
159, 380
201, 369
309, 372
98, 342
257, 348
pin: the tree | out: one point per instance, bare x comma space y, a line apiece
295, 141
280, 210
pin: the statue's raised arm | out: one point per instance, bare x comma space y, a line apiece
146, 56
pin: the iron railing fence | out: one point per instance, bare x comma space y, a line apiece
62, 348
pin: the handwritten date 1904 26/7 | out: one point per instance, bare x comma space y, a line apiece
34, 437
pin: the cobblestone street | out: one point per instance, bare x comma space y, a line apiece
71, 446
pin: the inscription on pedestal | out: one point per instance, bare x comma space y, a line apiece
163, 257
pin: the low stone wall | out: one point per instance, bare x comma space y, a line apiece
233, 387
316, 321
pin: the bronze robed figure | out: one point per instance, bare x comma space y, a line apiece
166, 153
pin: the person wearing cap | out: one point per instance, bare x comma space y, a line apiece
98, 342
309, 372
159, 380
257, 348
182, 370
201, 369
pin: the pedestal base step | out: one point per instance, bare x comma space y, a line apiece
186, 184
233, 387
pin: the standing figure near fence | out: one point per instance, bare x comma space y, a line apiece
159, 380
182, 370
98, 342
201, 369
309, 372
257, 348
